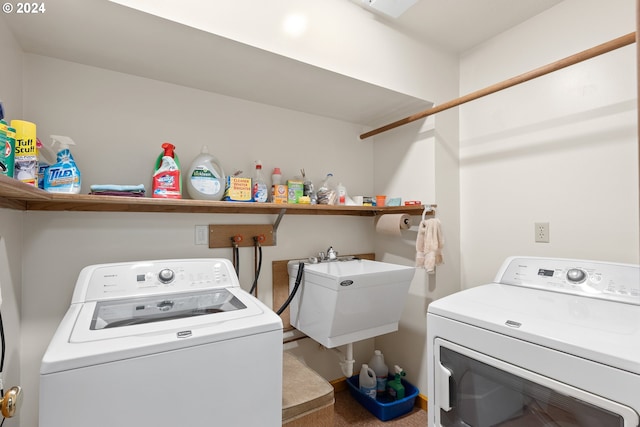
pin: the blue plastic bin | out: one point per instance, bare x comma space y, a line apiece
383, 407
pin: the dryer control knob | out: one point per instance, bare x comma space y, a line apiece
575, 275
166, 275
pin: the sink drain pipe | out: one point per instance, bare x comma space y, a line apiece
346, 361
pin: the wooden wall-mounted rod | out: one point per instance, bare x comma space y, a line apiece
554, 66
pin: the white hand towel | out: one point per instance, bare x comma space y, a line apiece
429, 245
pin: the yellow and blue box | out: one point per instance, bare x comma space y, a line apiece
237, 189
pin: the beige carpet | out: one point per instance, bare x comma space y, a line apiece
348, 412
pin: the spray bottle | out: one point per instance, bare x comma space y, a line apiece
395, 387
166, 179
64, 175
259, 187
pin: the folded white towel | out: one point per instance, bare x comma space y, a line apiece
429, 245
117, 187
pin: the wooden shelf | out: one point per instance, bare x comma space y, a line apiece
17, 195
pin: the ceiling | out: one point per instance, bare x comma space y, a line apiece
459, 25
83, 31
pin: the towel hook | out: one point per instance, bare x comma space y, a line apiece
427, 208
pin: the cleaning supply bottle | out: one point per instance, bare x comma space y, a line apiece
11, 145
63, 176
367, 381
7, 147
342, 194
276, 176
381, 369
46, 157
166, 179
309, 192
279, 191
25, 163
6, 151
206, 178
395, 389
259, 188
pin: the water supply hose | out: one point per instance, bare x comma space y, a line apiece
236, 253
2, 342
295, 288
258, 248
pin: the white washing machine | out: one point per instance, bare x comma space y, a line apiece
552, 342
163, 343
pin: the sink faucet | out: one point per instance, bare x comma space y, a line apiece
330, 255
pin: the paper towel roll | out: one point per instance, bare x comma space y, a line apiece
393, 224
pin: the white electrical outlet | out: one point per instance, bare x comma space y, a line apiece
541, 232
202, 235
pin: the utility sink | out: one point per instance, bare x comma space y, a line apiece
340, 302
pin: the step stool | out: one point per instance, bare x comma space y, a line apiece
307, 398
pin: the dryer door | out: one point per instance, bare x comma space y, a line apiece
473, 389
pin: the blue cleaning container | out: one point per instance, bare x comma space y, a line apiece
383, 407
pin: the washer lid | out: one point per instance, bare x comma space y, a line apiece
152, 315
604, 331
157, 308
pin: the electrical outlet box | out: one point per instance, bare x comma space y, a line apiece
202, 235
541, 232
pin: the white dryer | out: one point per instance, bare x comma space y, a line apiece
163, 343
552, 342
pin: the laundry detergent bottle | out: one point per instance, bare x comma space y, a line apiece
166, 179
63, 176
381, 369
206, 178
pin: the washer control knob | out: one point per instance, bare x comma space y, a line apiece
166, 275
575, 275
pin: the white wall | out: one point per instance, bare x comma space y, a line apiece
426, 155
560, 149
11, 236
